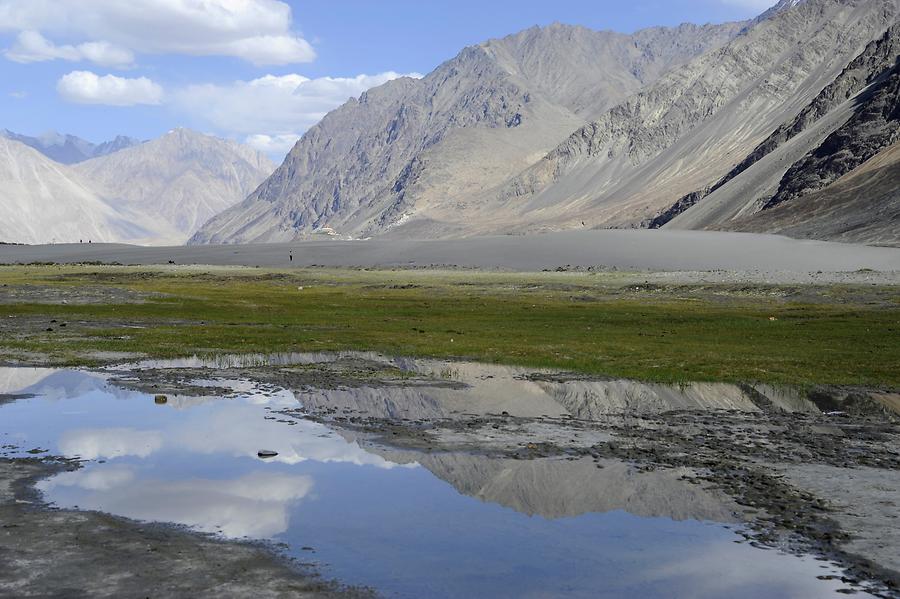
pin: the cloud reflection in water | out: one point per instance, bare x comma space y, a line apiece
255, 505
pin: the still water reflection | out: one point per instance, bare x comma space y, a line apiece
408, 524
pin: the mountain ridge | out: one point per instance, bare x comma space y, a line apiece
154, 193
182, 178
358, 167
520, 135
877, 58
70, 149
687, 126
34, 186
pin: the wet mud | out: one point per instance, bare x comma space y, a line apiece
49, 552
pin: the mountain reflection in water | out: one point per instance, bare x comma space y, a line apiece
405, 522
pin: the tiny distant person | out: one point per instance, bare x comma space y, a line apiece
291, 255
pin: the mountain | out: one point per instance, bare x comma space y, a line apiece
861, 206
44, 201
688, 130
562, 127
434, 143
181, 179
69, 149
120, 142
154, 193
852, 120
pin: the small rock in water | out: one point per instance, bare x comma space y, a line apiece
266, 453
160, 399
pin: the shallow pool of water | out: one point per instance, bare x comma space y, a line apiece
406, 523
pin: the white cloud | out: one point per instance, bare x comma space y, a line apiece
18, 95
274, 145
273, 111
31, 46
259, 31
85, 87
106, 54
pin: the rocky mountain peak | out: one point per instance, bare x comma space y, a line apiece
556, 127
183, 177
69, 149
158, 192
358, 169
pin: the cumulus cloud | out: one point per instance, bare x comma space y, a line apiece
85, 87
259, 31
274, 145
271, 112
31, 46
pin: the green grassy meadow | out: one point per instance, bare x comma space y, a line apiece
600, 324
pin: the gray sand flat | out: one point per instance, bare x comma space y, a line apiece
657, 250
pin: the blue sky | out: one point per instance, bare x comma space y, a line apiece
260, 71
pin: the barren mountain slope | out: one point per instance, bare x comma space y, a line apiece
43, 201
470, 125
863, 206
589, 71
751, 184
690, 128
875, 125
181, 179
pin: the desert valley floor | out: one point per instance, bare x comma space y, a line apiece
485, 417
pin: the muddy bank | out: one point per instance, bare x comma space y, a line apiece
80, 295
47, 552
797, 464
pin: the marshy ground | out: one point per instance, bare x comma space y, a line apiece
833, 328
767, 405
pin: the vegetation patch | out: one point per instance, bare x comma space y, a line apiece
599, 324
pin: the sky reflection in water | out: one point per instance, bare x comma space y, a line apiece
396, 521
